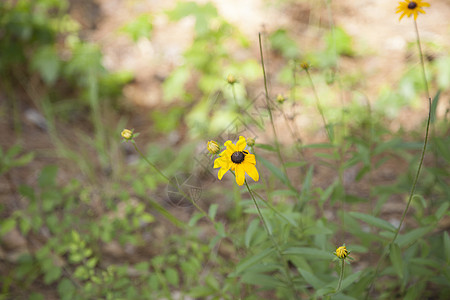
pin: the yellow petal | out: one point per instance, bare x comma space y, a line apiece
240, 174
251, 171
230, 146
250, 158
218, 162
222, 171
241, 144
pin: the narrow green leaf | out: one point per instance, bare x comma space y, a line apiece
274, 170
311, 253
447, 247
311, 279
213, 210
396, 259
243, 265
374, 221
412, 236
266, 147
251, 232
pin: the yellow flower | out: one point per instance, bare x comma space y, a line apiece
341, 252
213, 147
409, 8
127, 134
239, 160
231, 79
304, 65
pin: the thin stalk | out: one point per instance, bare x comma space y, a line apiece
269, 109
274, 242
341, 275
319, 106
416, 178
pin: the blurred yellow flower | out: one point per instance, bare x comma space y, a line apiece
239, 160
231, 79
127, 134
409, 8
304, 65
341, 252
213, 147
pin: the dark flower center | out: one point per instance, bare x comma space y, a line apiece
412, 5
237, 157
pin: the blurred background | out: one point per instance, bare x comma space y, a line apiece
81, 211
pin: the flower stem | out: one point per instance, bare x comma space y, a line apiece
341, 275
274, 242
416, 178
319, 106
269, 109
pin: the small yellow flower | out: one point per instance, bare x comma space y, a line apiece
409, 8
304, 65
127, 134
231, 79
239, 160
281, 98
213, 147
341, 252
250, 142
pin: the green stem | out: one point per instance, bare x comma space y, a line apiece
269, 109
274, 242
416, 178
341, 275
319, 106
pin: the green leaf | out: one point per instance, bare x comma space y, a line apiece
66, 289
309, 253
252, 260
396, 259
213, 210
262, 280
311, 279
46, 61
412, 236
374, 221
282, 42
48, 176
252, 228
434, 104
266, 147
172, 276
273, 169
447, 247
140, 27
349, 280
7, 225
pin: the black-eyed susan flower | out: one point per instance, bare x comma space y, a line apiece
127, 134
341, 252
239, 160
408, 8
213, 147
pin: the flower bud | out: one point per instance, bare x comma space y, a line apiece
341, 252
231, 79
127, 134
280, 99
304, 65
213, 147
250, 142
